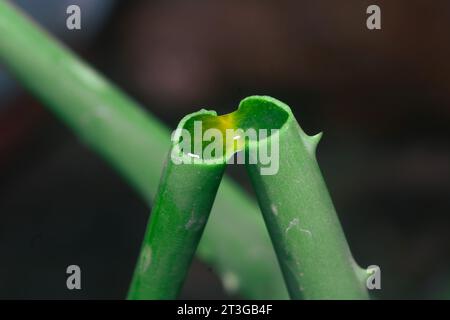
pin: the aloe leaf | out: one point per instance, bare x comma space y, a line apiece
310, 244
183, 202
235, 242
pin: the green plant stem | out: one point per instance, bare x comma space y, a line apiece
183, 202
301, 219
235, 242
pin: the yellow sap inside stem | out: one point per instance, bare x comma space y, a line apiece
235, 126
228, 125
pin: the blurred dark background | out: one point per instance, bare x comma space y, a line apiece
381, 97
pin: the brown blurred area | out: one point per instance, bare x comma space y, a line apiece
381, 97
189, 53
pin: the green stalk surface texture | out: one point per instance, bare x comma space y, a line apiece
300, 216
235, 242
183, 202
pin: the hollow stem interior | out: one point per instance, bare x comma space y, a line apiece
253, 120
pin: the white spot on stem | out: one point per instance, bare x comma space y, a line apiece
146, 258
189, 224
274, 209
294, 222
230, 282
309, 233
191, 220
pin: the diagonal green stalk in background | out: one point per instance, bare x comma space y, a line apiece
235, 242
